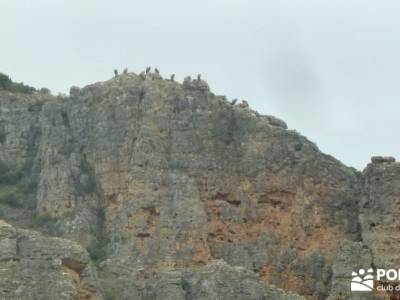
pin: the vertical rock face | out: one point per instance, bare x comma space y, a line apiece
379, 210
159, 180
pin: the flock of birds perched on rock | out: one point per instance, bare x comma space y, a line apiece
155, 75
187, 79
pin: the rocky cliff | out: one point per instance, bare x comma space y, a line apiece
177, 193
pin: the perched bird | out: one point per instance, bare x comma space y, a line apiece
148, 70
234, 101
244, 103
126, 71
156, 70
115, 72
142, 75
172, 77
198, 77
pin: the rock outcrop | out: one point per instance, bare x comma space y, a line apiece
178, 194
33, 266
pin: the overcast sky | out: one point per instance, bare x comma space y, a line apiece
329, 68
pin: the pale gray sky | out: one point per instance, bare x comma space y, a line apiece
329, 68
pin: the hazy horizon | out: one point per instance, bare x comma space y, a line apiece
329, 69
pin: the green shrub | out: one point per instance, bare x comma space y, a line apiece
3, 136
5, 82
17, 186
18, 87
43, 221
98, 250
109, 294
9, 174
2, 213
89, 185
3, 133
10, 195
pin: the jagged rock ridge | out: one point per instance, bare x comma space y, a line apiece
167, 184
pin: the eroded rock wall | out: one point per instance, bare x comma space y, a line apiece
33, 266
149, 174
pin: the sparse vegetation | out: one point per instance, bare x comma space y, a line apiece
5, 81
8, 175
3, 134
98, 249
3, 137
43, 221
109, 294
17, 186
2, 213
67, 148
10, 195
18, 87
87, 182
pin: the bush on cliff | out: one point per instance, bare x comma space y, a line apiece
17, 186
18, 87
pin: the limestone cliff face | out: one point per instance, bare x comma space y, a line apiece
36, 267
168, 185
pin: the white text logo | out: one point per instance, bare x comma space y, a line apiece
363, 281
